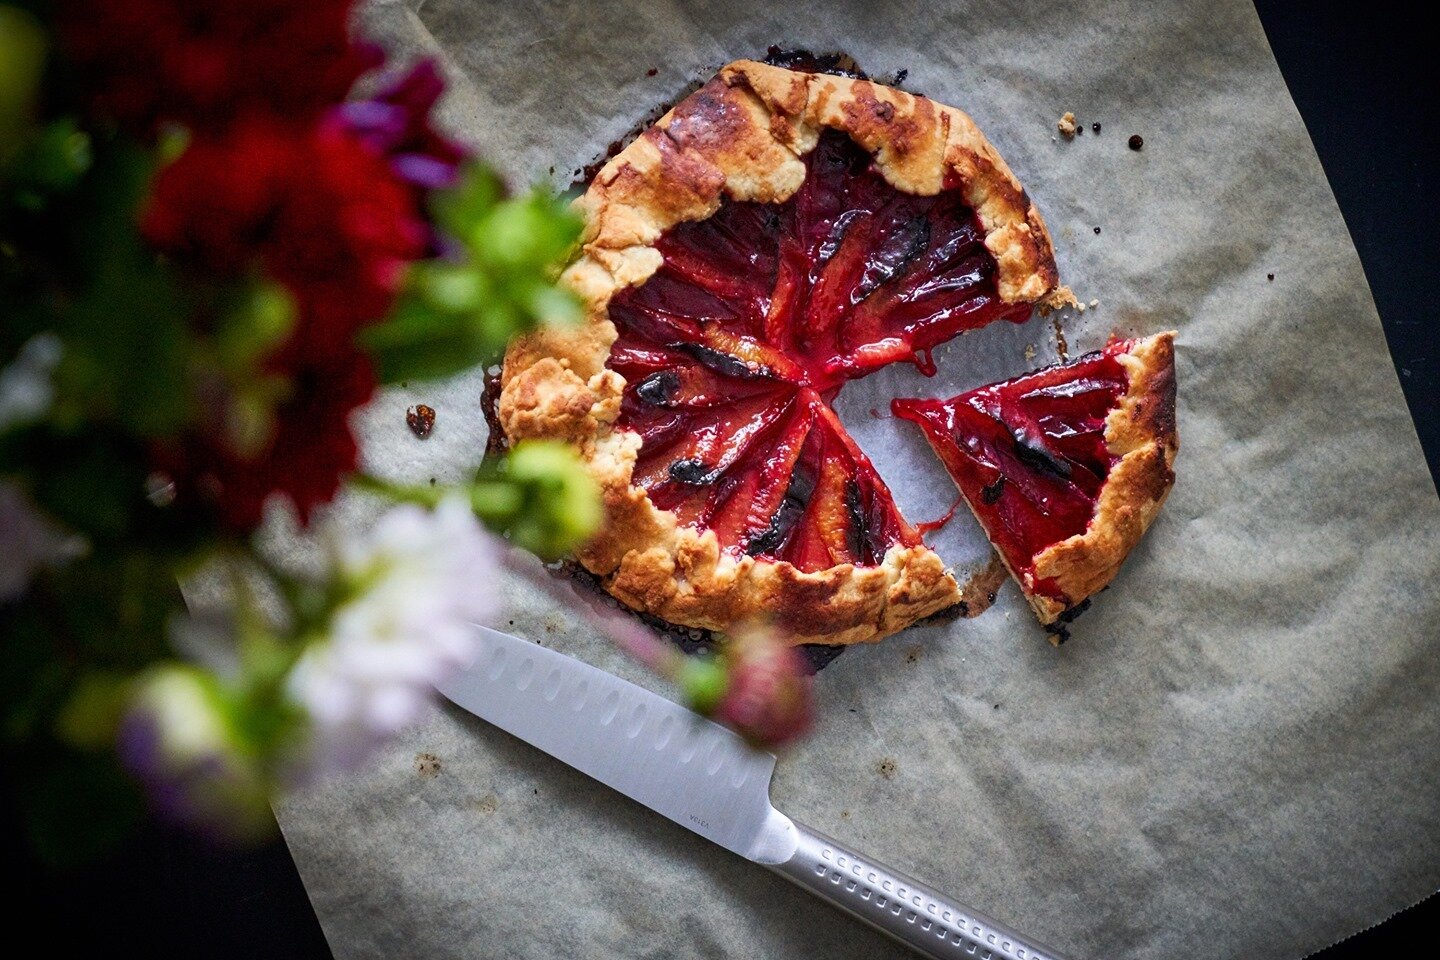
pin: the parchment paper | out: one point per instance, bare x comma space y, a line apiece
1237, 753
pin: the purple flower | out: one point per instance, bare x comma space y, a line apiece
396, 122
180, 740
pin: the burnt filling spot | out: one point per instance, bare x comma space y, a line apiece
693, 473
1060, 629
859, 532
721, 363
990, 493
736, 346
1032, 451
659, 388
895, 255
804, 61
792, 508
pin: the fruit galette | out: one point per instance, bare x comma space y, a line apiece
775, 235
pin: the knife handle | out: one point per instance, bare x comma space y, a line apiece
920, 917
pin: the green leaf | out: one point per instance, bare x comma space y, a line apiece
420, 342
561, 501
260, 316
22, 63
462, 311
90, 718
456, 210
531, 232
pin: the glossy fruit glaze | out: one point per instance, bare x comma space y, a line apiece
734, 349
1029, 454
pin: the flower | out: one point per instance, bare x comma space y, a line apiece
310, 450
26, 386
203, 64
767, 696
316, 209
420, 582
395, 122
30, 542
322, 214
178, 736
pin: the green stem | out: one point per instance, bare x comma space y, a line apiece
495, 500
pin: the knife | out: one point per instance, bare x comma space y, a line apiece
707, 779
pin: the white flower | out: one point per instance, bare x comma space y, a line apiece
25, 388
422, 579
29, 542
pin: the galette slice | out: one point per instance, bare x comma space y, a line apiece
1065, 467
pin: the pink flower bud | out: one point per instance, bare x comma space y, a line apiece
768, 699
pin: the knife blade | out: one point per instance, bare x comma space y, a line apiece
707, 779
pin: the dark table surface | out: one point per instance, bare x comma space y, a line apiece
1359, 83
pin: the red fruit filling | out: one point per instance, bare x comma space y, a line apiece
1029, 454
734, 348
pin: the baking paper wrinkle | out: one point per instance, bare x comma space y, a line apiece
1235, 756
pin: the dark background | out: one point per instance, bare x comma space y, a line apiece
1360, 79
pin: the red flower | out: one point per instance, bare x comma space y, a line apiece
321, 213
204, 63
311, 450
315, 209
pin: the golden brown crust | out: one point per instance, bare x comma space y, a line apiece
742, 136
1141, 431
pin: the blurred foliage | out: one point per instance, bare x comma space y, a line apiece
497, 280
147, 352
539, 496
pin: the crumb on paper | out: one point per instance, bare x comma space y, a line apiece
1029, 352
913, 654
421, 420
844, 814
1080, 308
887, 768
1094, 304
1067, 126
1136, 142
1057, 299
488, 804
427, 765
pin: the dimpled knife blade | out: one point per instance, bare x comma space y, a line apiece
707, 779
